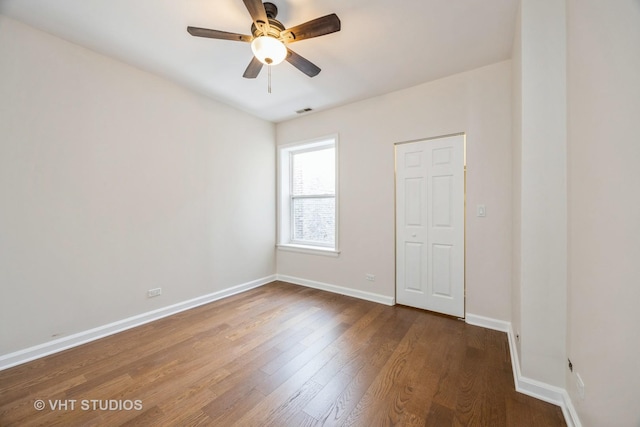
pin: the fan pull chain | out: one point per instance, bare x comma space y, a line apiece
269, 79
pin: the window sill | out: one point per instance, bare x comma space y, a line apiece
312, 250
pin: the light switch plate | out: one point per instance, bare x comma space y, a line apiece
481, 211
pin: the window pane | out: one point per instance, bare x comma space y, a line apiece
314, 220
314, 172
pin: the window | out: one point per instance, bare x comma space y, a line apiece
307, 196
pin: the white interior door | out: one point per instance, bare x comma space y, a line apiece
430, 224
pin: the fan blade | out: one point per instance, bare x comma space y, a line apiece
253, 69
317, 27
302, 64
216, 34
258, 14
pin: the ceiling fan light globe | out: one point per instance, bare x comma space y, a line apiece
268, 50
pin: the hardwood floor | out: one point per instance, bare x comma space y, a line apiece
280, 355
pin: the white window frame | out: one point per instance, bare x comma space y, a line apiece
285, 199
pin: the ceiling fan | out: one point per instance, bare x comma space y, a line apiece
269, 38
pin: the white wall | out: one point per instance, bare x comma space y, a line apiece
516, 172
542, 191
604, 209
475, 102
114, 181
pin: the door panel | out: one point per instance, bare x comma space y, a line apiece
413, 202
441, 268
441, 205
430, 224
413, 266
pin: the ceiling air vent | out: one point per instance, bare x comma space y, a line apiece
304, 110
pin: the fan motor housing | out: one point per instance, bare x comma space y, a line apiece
275, 28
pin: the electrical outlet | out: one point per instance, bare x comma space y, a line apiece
370, 277
154, 292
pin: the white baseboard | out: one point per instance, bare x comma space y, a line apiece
368, 296
487, 322
569, 411
26, 355
543, 391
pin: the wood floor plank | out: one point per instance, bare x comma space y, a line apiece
354, 346
282, 355
233, 406
407, 404
439, 416
343, 405
379, 403
289, 409
302, 361
320, 404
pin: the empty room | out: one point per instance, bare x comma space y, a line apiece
306, 213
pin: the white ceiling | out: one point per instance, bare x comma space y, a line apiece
383, 45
